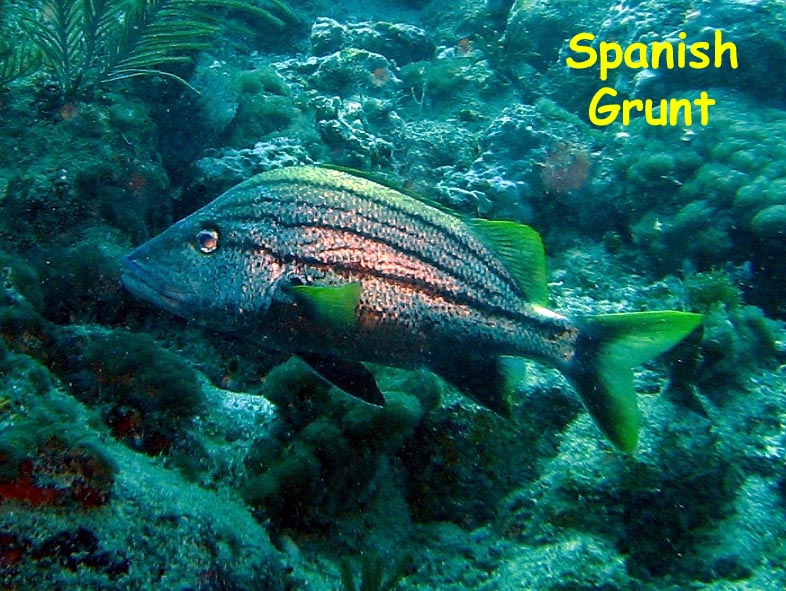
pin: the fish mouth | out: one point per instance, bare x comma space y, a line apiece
142, 283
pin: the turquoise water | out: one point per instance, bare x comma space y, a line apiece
139, 450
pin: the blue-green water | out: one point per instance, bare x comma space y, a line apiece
138, 451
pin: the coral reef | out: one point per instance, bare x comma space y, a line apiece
718, 184
329, 449
401, 42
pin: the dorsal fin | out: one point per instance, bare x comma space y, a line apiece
520, 249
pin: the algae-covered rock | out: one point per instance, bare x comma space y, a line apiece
51, 451
350, 70
578, 561
400, 42
329, 451
712, 289
147, 395
344, 127
81, 280
736, 341
770, 221
466, 454
536, 29
241, 106
220, 169
81, 167
532, 158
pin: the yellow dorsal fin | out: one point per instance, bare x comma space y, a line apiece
520, 249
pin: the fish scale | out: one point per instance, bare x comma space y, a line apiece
341, 270
424, 253
403, 216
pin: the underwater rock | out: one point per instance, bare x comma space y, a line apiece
89, 167
456, 85
433, 147
760, 36
350, 70
741, 538
80, 279
736, 342
78, 508
532, 158
465, 453
533, 38
221, 168
654, 508
343, 126
578, 561
403, 43
239, 105
328, 451
536, 29
469, 19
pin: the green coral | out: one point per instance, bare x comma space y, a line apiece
735, 343
706, 291
705, 195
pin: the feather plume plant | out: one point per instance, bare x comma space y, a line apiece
16, 59
87, 43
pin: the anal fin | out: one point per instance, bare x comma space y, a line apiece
350, 376
490, 382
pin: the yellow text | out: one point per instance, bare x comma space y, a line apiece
669, 112
611, 55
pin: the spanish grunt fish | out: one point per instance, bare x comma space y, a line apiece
340, 269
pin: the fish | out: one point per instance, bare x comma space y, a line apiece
342, 270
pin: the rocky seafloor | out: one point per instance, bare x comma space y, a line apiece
139, 452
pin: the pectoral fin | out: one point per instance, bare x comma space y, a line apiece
350, 376
332, 304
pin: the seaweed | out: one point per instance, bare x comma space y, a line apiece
88, 43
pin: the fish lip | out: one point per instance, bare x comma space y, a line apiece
140, 281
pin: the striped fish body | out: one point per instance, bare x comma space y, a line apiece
329, 265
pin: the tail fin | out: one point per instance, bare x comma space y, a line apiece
607, 348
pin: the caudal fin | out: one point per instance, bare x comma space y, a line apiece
608, 346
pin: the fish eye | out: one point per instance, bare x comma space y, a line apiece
207, 240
